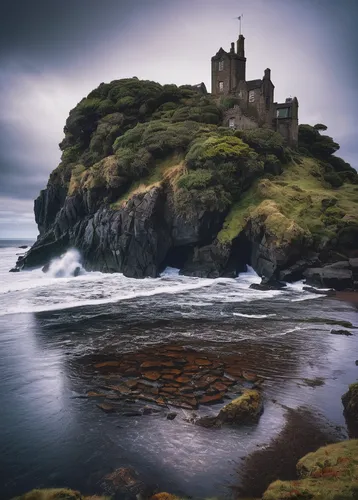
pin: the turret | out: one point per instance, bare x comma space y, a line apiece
241, 46
267, 75
240, 61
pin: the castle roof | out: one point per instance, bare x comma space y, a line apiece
253, 84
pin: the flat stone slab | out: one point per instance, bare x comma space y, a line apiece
106, 408
170, 375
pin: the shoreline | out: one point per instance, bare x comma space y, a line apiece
350, 297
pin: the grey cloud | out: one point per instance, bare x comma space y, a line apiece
53, 53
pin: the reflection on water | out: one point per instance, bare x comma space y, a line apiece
52, 437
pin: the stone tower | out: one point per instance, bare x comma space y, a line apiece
228, 68
255, 106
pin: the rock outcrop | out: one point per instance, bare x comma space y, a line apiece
148, 178
247, 408
340, 276
350, 403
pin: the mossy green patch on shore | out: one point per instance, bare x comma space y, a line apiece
330, 473
58, 494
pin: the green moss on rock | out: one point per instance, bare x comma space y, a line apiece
330, 473
246, 408
57, 494
304, 201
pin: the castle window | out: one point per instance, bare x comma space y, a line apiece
241, 94
252, 96
232, 122
221, 86
282, 113
221, 65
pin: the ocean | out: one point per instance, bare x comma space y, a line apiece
54, 325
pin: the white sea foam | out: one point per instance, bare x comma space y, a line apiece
67, 265
35, 291
255, 316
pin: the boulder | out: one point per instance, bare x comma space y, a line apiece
295, 272
246, 408
350, 403
268, 284
341, 332
338, 276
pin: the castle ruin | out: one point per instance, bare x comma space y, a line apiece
253, 100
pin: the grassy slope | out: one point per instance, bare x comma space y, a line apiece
298, 193
161, 172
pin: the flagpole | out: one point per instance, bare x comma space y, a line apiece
240, 26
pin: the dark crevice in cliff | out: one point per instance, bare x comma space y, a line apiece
178, 256
240, 255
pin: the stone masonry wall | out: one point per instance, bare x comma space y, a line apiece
242, 122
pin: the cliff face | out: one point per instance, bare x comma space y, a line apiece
149, 178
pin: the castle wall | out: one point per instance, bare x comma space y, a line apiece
241, 121
288, 128
285, 120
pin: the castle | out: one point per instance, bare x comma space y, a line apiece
254, 104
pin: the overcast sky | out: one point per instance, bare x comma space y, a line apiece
53, 53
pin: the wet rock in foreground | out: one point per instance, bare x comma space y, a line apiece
170, 375
347, 333
244, 409
126, 483
350, 403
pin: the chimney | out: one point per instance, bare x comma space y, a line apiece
267, 75
241, 46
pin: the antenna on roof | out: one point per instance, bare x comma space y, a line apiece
240, 21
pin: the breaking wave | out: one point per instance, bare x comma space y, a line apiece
66, 266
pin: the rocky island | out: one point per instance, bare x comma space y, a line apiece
149, 177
